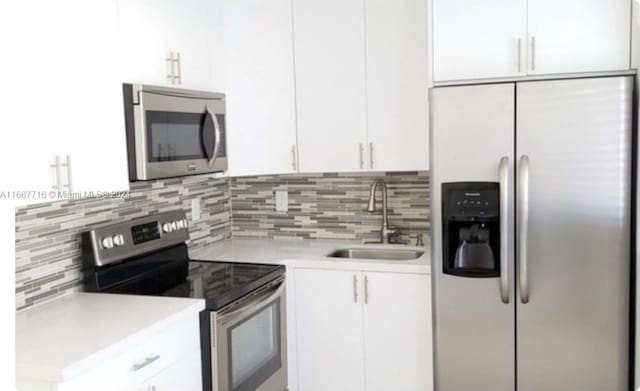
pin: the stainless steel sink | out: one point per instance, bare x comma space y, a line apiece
377, 253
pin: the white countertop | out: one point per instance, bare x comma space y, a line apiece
61, 339
309, 253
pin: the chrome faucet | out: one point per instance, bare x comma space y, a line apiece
386, 231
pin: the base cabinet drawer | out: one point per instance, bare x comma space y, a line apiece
167, 357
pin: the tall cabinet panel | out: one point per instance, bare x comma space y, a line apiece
574, 212
473, 129
260, 86
479, 39
330, 84
397, 79
578, 35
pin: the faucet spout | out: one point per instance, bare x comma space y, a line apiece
385, 232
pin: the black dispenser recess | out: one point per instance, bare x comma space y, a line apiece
471, 229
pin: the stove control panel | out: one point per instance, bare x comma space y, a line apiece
116, 242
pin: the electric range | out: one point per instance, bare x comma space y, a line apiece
243, 327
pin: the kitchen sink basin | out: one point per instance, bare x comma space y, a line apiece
377, 253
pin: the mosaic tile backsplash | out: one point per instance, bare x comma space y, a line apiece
320, 206
48, 251
329, 206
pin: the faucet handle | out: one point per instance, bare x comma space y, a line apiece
394, 236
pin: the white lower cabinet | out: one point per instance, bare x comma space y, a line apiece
360, 330
397, 332
167, 359
329, 331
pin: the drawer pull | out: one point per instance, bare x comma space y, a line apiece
147, 361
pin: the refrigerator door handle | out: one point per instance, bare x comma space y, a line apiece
523, 225
504, 229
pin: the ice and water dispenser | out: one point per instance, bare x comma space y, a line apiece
471, 229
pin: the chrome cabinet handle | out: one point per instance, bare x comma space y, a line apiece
293, 158
355, 289
371, 155
56, 170
67, 165
178, 76
533, 53
519, 55
504, 229
361, 149
523, 225
366, 290
147, 361
170, 65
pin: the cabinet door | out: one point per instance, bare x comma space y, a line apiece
579, 35
330, 84
329, 330
143, 34
92, 133
397, 84
397, 332
150, 29
64, 81
479, 39
195, 30
260, 86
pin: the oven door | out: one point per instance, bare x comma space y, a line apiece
251, 342
179, 134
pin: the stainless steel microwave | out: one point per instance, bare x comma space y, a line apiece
173, 132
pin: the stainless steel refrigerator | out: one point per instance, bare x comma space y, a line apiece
531, 248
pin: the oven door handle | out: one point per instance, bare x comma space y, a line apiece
254, 304
210, 136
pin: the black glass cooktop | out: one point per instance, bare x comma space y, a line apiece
170, 272
221, 283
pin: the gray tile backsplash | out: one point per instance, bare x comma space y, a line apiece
320, 206
329, 206
48, 235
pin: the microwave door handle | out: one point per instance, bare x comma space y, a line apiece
252, 305
210, 136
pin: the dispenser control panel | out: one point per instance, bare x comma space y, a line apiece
472, 201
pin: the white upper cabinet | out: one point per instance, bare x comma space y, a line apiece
504, 38
479, 39
67, 61
151, 31
578, 35
260, 88
397, 80
329, 51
